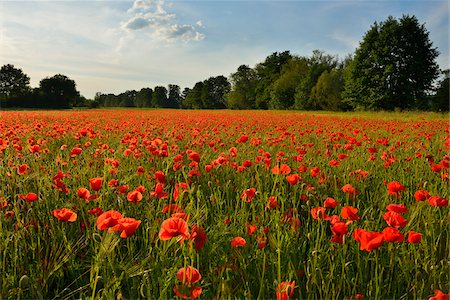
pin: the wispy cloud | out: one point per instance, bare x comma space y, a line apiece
346, 40
152, 16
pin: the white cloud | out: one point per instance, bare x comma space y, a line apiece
151, 15
345, 40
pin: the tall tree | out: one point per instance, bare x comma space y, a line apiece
58, 91
14, 84
318, 63
326, 94
214, 91
193, 98
243, 89
394, 66
440, 101
267, 73
144, 98
159, 97
284, 88
174, 98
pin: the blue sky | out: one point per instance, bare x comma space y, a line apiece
113, 46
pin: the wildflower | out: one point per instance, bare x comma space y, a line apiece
108, 219
134, 196
173, 227
285, 290
248, 194
349, 212
369, 240
394, 219
414, 237
238, 242
96, 183
272, 202
127, 227
330, 202
64, 215
349, 189
199, 236
421, 195
391, 234
398, 208
395, 188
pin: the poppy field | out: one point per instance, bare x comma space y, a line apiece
144, 204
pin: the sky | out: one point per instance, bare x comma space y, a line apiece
114, 46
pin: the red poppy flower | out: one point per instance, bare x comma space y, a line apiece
330, 202
173, 227
160, 176
83, 193
349, 189
318, 213
395, 188
394, 219
199, 236
421, 195
22, 169
368, 240
391, 234
159, 192
238, 242
398, 208
349, 212
134, 196
31, 197
438, 201
64, 215
75, 151
127, 227
272, 202
251, 229
339, 229
108, 219
248, 194
188, 275
315, 171
96, 183
282, 169
438, 295
414, 237
293, 179
285, 290
335, 163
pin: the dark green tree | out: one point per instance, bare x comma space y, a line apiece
214, 92
327, 91
394, 66
174, 98
14, 86
284, 88
243, 89
144, 98
159, 97
318, 63
193, 99
58, 91
440, 101
267, 73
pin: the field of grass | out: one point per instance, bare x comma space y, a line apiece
144, 204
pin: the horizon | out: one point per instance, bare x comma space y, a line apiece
114, 46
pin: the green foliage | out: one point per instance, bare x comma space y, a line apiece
243, 88
14, 84
393, 67
328, 89
267, 73
159, 97
58, 91
441, 102
174, 97
144, 98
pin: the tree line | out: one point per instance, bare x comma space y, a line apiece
394, 67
